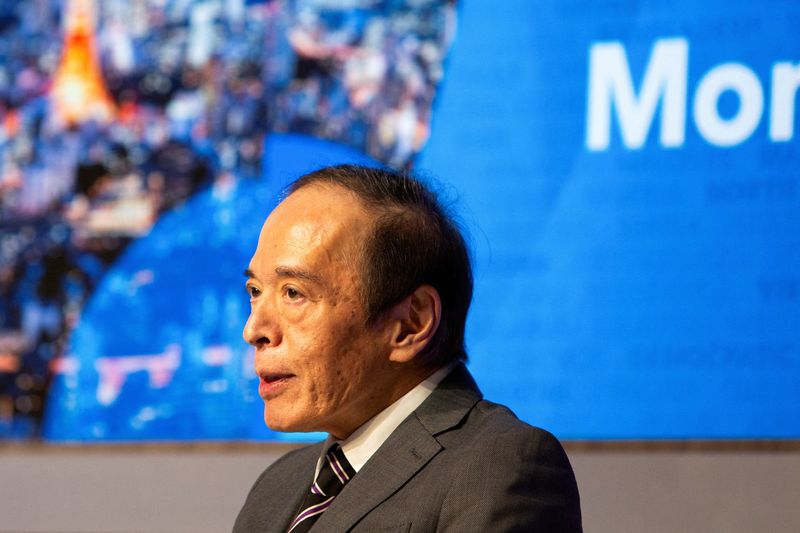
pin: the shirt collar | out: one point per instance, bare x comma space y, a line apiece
366, 440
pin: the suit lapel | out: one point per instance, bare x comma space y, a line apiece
407, 450
284, 500
291, 503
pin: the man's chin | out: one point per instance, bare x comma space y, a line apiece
277, 421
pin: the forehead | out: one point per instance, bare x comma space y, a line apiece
316, 224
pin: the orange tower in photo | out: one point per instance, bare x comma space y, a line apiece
79, 93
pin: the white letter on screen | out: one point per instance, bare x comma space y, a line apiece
728, 77
785, 81
610, 82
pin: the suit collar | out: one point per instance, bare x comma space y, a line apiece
450, 402
408, 449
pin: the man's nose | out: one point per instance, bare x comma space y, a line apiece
261, 329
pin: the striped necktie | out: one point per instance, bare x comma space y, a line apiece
333, 474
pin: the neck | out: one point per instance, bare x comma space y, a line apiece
385, 392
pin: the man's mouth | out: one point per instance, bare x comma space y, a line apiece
272, 383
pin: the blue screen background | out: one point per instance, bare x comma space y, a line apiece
620, 294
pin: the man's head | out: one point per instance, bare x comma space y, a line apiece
359, 287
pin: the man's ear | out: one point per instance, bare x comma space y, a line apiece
413, 323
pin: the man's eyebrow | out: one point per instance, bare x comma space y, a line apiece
288, 272
248, 273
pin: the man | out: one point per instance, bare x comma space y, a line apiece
359, 292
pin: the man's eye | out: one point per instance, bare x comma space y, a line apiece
292, 294
253, 291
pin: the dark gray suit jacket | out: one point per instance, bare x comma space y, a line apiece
458, 463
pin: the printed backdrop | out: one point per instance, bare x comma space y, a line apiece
626, 172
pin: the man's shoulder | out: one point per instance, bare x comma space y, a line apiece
461, 416
501, 420
294, 465
292, 462
482, 431
492, 471
495, 453
277, 490
494, 426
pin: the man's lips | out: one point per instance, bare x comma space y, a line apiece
270, 377
272, 383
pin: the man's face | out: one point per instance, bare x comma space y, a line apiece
320, 366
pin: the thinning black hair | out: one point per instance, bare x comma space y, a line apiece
414, 242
